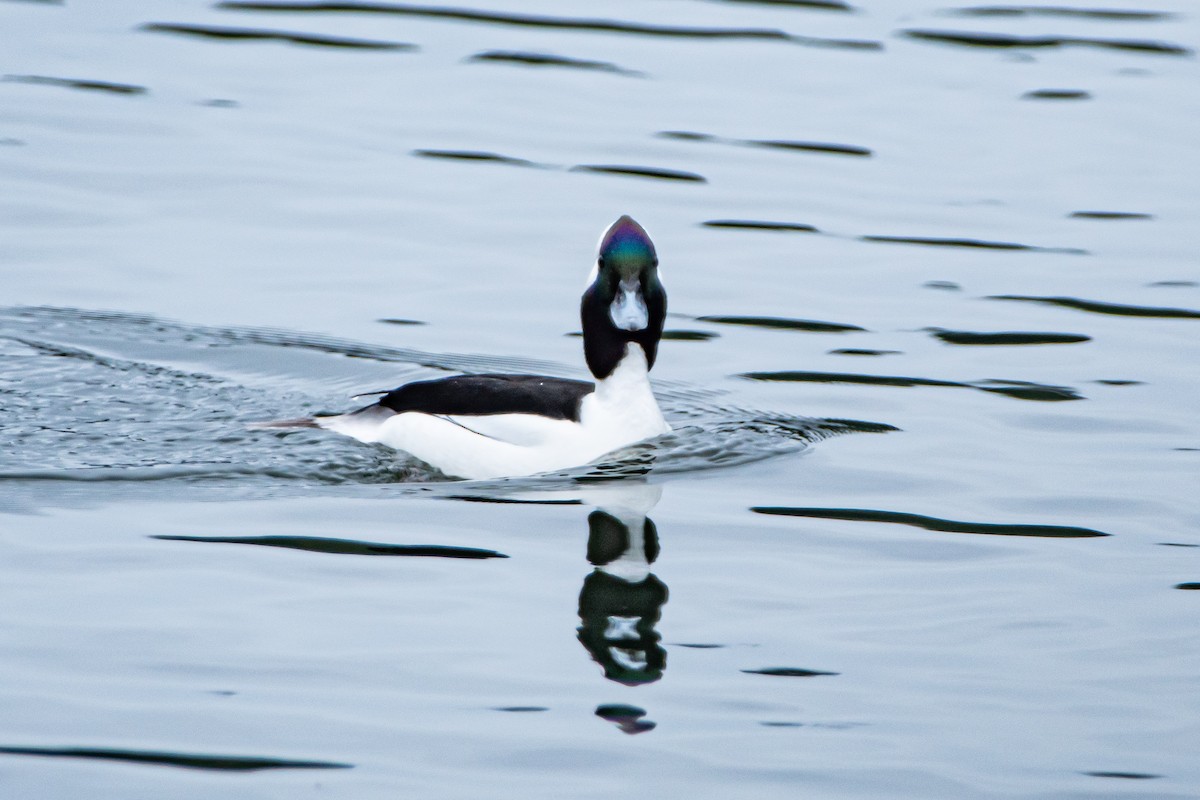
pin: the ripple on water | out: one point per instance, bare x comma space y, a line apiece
1004, 40
932, 523
1110, 215
776, 144
521, 709
474, 155
678, 335
656, 173
223, 763
1007, 337
789, 672
318, 544
781, 323
760, 225
1110, 14
487, 157
821, 5
528, 59
557, 23
863, 351
221, 33
1021, 390
1057, 94
976, 244
80, 83
1098, 307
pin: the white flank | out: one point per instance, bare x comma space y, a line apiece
620, 412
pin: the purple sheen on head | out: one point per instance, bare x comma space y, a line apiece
626, 240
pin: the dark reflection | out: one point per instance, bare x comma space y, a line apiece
981, 39
689, 336
932, 523
528, 59
522, 709
473, 155
834, 148
978, 244
1097, 307
1114, 14
642, 172
1110, 215
483, 498
1057, 94
1007, 337
863, 351
261, 35
317, 544
823, 5
789, 672
78, 83
812, 147
1188, 587
621, 600
782, 323
186, 760
759, 225
1132, 776
1021, 390
627, 718
539, 21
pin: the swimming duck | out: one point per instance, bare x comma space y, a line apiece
495, 425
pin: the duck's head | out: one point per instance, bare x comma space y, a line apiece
624, 302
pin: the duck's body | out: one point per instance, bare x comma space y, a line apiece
491, 426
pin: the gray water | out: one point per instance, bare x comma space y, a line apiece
927, 525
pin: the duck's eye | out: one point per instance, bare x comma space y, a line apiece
600, 262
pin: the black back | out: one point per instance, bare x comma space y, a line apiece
556, 398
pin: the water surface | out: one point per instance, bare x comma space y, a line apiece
926, 526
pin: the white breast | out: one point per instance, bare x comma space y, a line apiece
623, 410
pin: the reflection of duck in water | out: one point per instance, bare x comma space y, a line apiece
621, 600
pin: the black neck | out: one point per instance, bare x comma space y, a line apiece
604, 344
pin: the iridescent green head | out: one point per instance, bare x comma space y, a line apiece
626, 249
625, 302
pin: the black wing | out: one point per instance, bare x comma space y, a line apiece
556, 398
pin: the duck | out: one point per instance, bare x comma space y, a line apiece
489, 426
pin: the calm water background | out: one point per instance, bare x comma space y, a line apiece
197, 233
